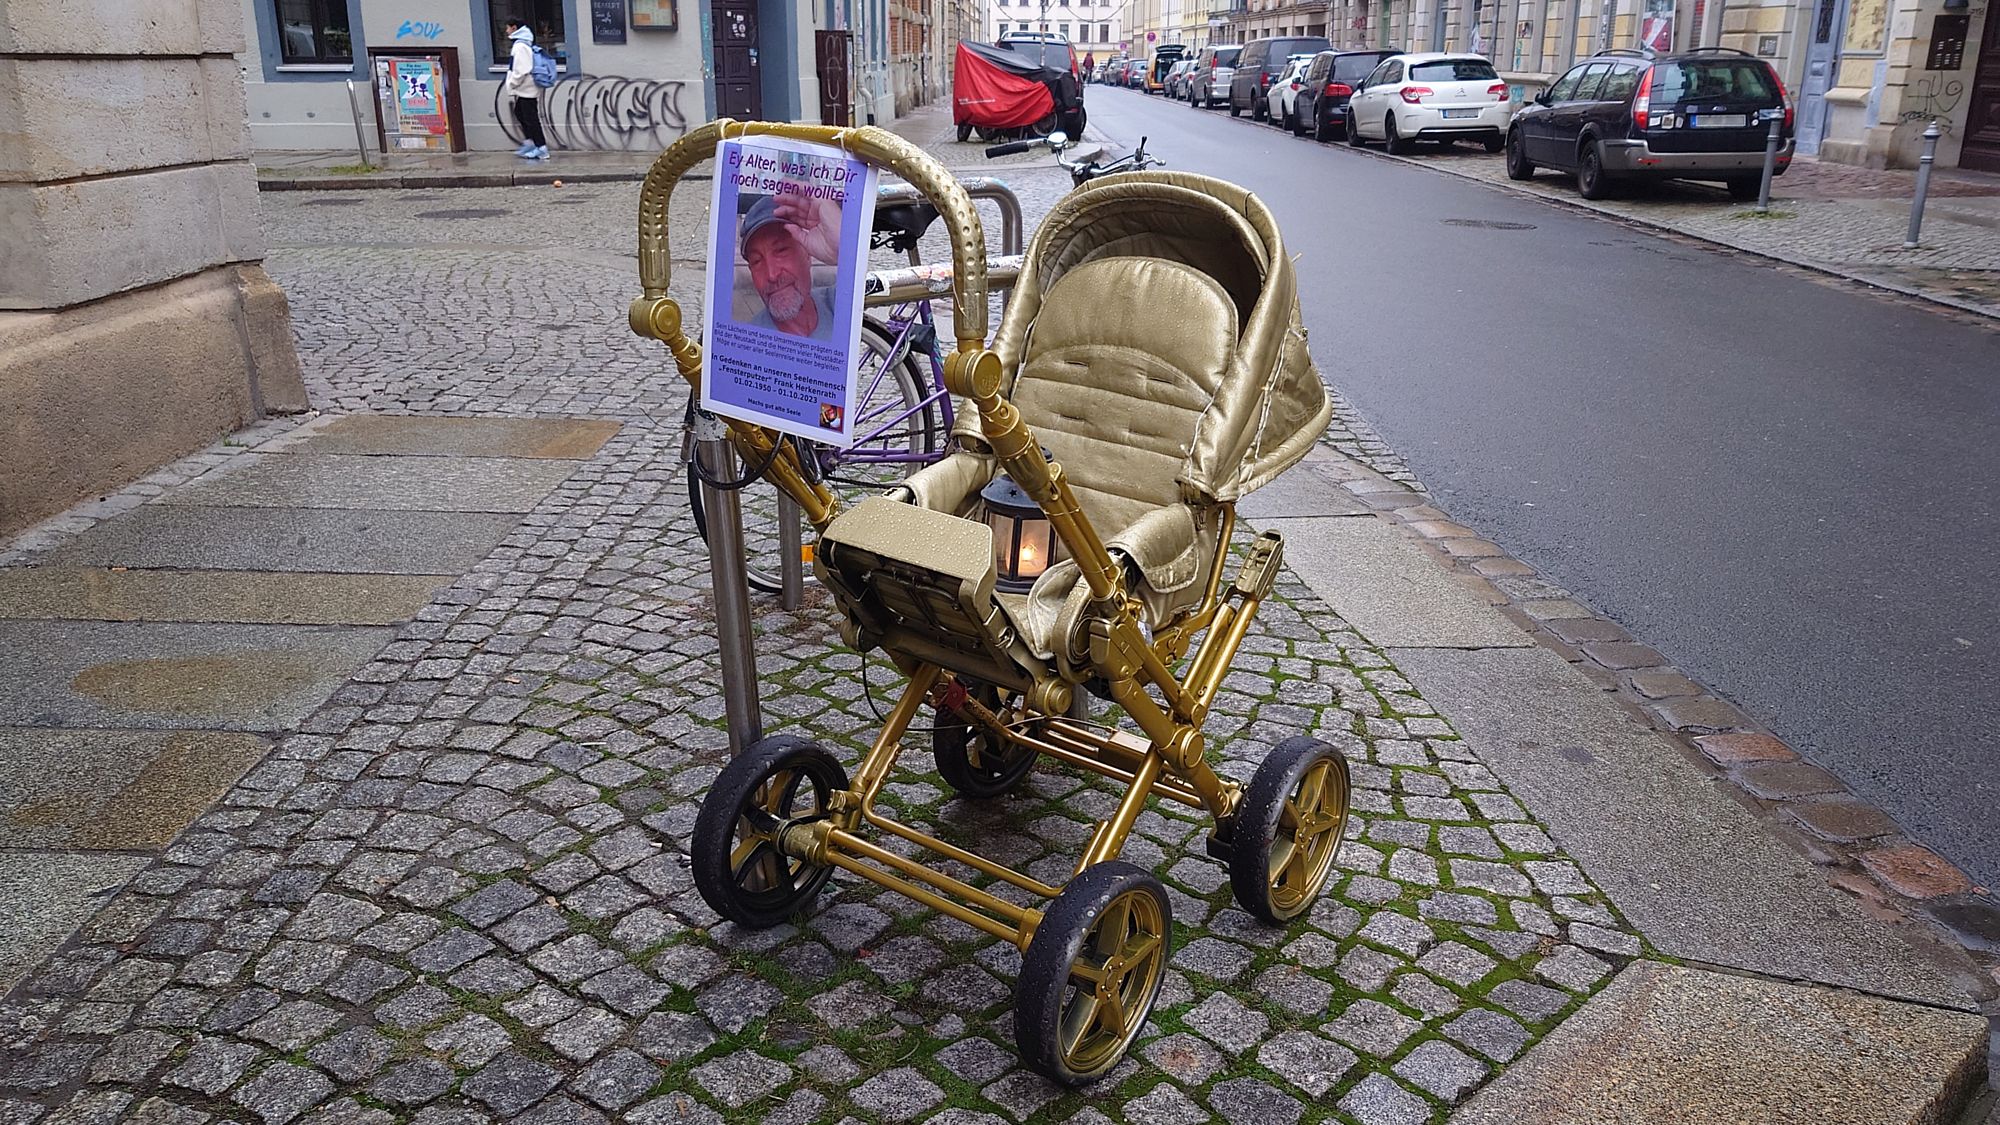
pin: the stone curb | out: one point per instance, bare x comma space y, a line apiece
1862, 847
372, 182
1821, 268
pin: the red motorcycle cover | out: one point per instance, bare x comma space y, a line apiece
996, 88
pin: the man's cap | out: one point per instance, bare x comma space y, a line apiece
762, 214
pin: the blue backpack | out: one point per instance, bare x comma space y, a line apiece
544, 71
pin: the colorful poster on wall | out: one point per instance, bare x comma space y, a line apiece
656, 15
787, 256
420, 97
1656, 27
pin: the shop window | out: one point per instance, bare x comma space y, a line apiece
314, 32
543, 17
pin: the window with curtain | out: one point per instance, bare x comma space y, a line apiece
543, 17
314, 31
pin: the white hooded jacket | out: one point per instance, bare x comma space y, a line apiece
521, 65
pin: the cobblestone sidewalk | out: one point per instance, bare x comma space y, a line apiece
458, 894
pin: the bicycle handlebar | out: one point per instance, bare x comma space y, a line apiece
1010, 148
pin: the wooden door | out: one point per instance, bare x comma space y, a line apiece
830, 60
739, 87
1982, 114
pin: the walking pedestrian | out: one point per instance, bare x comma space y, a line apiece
527, 95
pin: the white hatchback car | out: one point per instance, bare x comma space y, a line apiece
1285, 92
1436, 96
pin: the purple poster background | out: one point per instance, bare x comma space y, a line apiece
763, 367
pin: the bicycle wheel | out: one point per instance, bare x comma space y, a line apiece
894, 418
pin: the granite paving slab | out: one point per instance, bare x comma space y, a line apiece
113, 789
1667, 1043
45, 895
1379, 580
284, 539
377, 483
174, 676
252, 597
417, 436
1690, 866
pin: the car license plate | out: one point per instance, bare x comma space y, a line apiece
1719, 121
1461, 113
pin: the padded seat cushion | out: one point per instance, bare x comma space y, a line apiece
1120, 365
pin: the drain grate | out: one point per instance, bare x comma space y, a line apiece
465, 213
1487, 224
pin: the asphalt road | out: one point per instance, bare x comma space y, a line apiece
1785, 485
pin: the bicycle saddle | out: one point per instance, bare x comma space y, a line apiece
900, 225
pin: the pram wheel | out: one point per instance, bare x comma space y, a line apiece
1091, 972
971, 759
1288, 828
738, 867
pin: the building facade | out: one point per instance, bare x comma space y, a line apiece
136, 321
634, 74
1868, 75
1094, 26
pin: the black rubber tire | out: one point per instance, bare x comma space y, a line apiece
1494, 143
955, 744
726, 809
1396, 145
1591, 180
1351, 129
1293, 124
964, 133
1743, 190
1260, 109
1233, 111
1519, 167
911, 382
1254, 828
1320, 132
1044, 983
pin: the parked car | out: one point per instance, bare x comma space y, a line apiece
1258, 66
1164, 58
1047, 48
1177, 79
1135, 74
1433, 96
1703, 115
1321, 108
1208, 84
1284, 90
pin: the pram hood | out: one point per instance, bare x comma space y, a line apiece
1270, 405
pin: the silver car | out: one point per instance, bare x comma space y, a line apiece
1208, 80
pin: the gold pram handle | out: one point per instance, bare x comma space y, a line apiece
658, 316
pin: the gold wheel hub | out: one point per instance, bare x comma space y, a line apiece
1111, 981
1309, 833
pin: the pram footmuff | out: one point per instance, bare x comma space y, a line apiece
1150, 371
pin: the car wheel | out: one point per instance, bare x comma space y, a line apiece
1233, 110
1320, 132
964, 133
1518, 165
1745, 190
1298, 127
1494, 143
1591, 181
1352, 130
1395, 144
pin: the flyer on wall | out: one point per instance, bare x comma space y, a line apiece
788, 254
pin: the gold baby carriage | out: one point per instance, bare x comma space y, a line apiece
1149, 371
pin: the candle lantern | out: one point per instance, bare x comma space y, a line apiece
1024, 542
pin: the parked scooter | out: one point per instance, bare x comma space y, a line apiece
1003, 94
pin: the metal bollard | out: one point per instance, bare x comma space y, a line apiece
1924, 163
736, 661
791, 549
360, 139
1770, 160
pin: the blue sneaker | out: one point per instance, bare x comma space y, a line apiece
526, 151
541, 153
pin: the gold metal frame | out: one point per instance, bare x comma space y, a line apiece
1166, 759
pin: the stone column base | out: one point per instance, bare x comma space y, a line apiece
97, 395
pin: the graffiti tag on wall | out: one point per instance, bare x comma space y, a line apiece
413, 29
604, 112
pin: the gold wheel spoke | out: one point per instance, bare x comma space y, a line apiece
1077, 1023
1311, 789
